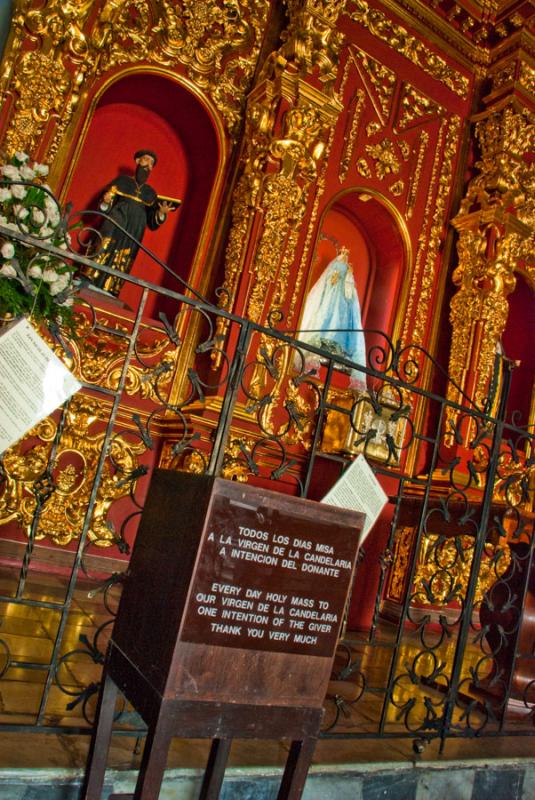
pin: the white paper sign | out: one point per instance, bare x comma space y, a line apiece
33, 382
359, 490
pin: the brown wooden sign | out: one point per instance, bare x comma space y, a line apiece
268, 579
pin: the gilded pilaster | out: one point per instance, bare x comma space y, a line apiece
290, 114
496, 227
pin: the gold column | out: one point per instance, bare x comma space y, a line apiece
496, 226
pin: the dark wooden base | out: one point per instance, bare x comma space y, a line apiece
167, 717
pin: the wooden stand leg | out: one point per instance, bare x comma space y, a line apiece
100, 740
296, 769
153, 761
215, 769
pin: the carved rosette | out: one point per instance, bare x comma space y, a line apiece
496, 228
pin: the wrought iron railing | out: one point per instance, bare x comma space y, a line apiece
443, 649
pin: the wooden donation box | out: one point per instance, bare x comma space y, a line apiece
227, 626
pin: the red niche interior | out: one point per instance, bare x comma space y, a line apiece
363, 224
517, 340
366, 227
154, 112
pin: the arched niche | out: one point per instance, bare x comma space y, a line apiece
379, 255
151, 110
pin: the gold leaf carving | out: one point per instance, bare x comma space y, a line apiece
379, 80
415, 108
217, 41
349, 143
385, 159
398, 38
75, 464
363, 168
496, 227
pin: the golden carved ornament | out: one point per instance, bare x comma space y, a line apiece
416, 174
363, 168
312, 40
282, 153
98, 357
217, 42
416, 108
527, 77
234, 467
349, 141
384, 157
401, 563
399, 39
380, 82
73, 471
41, 82
444, 566
496, 227
416, 326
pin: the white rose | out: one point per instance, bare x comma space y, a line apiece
27, 173
7, 250
21, 156
37, 216
45, 232
55, 288
11, 172
50, 275
18, 191
53, 217
41, 169
63, 281
20, 211
5, 194
35, 271
8, 271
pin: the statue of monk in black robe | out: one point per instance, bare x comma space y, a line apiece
134, 205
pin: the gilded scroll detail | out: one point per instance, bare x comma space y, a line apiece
415, 108
436, 233
417, 172
444, 567
379, 80
73, 470
217, 42
397, 37
349, 144
99, 358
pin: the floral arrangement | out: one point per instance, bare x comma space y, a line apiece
32, 281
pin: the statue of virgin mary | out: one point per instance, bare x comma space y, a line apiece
331, 317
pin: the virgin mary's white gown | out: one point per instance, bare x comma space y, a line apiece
331, 317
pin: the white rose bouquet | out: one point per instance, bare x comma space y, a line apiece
32, 281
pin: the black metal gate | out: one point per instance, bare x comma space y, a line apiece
442, 647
